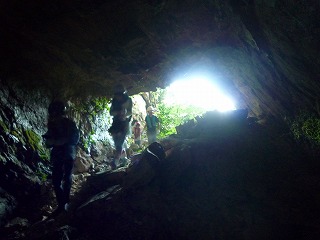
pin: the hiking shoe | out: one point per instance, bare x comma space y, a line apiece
124, 162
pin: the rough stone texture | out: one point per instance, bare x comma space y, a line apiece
82, 164
22, 118
7, 205
264, 53
252, 184
237, 185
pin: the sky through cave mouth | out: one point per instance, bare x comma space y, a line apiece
198, 92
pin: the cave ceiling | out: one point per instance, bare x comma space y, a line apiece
265, 53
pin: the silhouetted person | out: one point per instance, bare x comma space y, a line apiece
137, 133
152, 124
121, 110
62, 137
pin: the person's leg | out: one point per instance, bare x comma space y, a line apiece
152, 136
118, 142
67, 179
57, 175
149, 136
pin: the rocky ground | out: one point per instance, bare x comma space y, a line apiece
221, 179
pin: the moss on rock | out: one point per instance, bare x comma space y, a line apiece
3, 127
34, 140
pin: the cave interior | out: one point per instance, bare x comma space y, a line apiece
252, 182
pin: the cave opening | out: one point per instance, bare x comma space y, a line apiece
200, 92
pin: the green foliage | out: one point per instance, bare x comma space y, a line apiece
93, 107
171, 116
88, 112
100, 104
311, 129
306, 127
87, 141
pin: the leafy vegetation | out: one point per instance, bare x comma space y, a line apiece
88, 140
92, 107
306, 128
88, 113
171, 116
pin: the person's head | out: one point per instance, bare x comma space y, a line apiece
137, 124
56, 109
119, 90
150, 110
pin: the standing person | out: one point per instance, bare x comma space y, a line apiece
62, 137
152, 124
137, 133
121, 110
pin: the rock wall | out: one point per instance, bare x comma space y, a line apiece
264, 52
23, 159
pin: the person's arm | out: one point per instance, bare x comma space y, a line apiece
54, 141
144, 126
51, 138
128, 107
73, 134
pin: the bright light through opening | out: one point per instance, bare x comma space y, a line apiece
198, 92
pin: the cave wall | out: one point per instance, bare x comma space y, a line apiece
23, 159
263, 52
23, 117
286, 34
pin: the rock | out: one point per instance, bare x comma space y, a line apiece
7, 205
82, 164
99, 201
100, 151
145, 166
97, 152
17, 223
102, 180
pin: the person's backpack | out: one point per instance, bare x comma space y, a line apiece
154, 151
64, 128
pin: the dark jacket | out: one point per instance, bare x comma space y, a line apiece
65, 136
